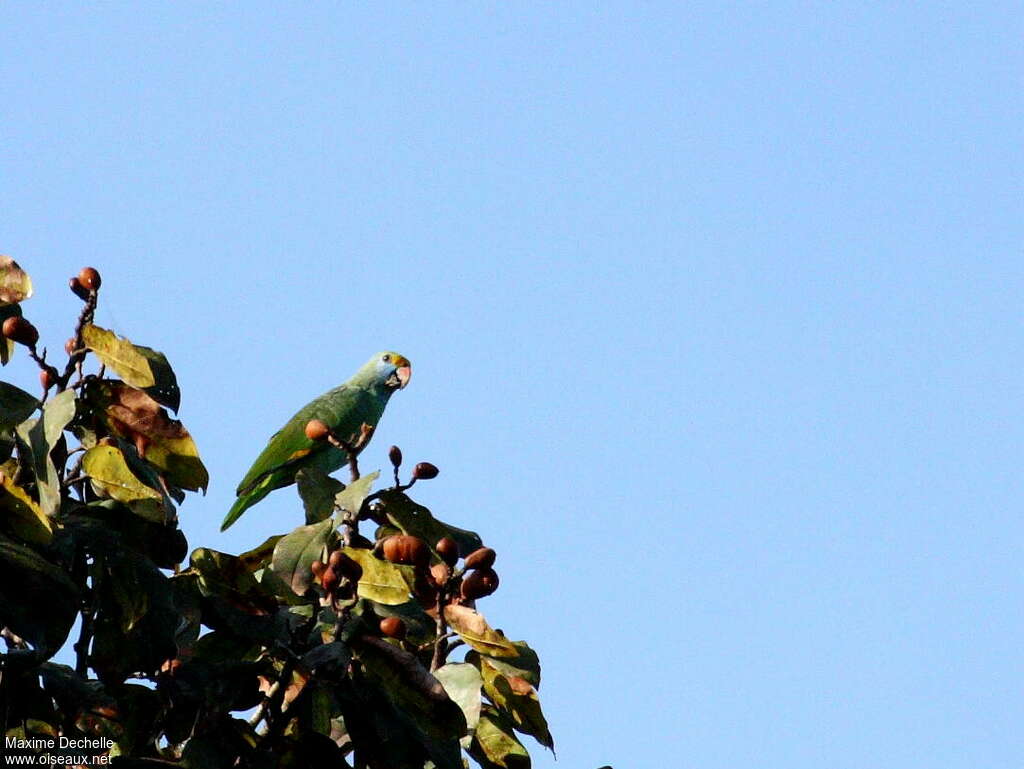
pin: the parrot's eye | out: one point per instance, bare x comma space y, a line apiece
386, 359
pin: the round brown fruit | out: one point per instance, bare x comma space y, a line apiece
335, 559
393, 627
346, 566
20, 330
78, 289
46, 379
481, 559
407, 549
479, 583
317, 567
317, 430
395, 455
424, 471
448, 549
90, 278
329, 580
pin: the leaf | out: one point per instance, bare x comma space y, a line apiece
7, 347
15, 284
518, 700
294, 553
111, 477
139, 366
131, 414
38, 601
137, 620
495, 745
474, 630
415, 519
382, 581
525, 665
462, 681
417, 695
350, 499
16, 405
42, 436
317, 490
32, 525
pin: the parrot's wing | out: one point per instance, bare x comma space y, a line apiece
289, 444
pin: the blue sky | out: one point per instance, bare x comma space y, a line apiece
713, 309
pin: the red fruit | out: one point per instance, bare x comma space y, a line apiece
46, 379
481, 559
317, 567
18, 329
78, 289
317, 430
70, 346
395, 455
448, 549
479, 583
329, 580
407, 549
393, 627
424, 471
89, 278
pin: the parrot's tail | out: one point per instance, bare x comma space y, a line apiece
244, 502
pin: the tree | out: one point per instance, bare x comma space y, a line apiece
317, 647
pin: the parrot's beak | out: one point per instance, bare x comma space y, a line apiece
404, 374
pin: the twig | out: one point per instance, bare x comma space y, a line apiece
88, 611
441, 646
77, 354
352, 449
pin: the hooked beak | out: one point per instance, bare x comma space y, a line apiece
404, 374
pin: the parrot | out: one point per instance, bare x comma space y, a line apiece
345, 409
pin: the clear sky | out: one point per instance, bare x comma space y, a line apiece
714, 312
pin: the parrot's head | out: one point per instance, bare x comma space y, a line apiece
390, 369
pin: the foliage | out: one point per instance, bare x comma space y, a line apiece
317, 646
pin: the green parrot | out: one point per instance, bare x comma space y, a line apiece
345, 409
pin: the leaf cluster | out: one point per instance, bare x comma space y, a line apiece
311, 648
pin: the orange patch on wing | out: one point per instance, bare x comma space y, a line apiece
299, 454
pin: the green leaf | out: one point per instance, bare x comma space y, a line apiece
42, 435
38, 601
415, 519
294, 553
15, 284
317, 490
350, 499
518, 700
111, 477
16, 405
462, 681
495, 744
139, 366
474, 630
137, 619
526, 663
382, 581
418, 695
32, 524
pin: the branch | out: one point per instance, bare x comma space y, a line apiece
77, 353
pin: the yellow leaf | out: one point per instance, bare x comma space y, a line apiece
120, 354
111, 477
15, 284
33, 525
